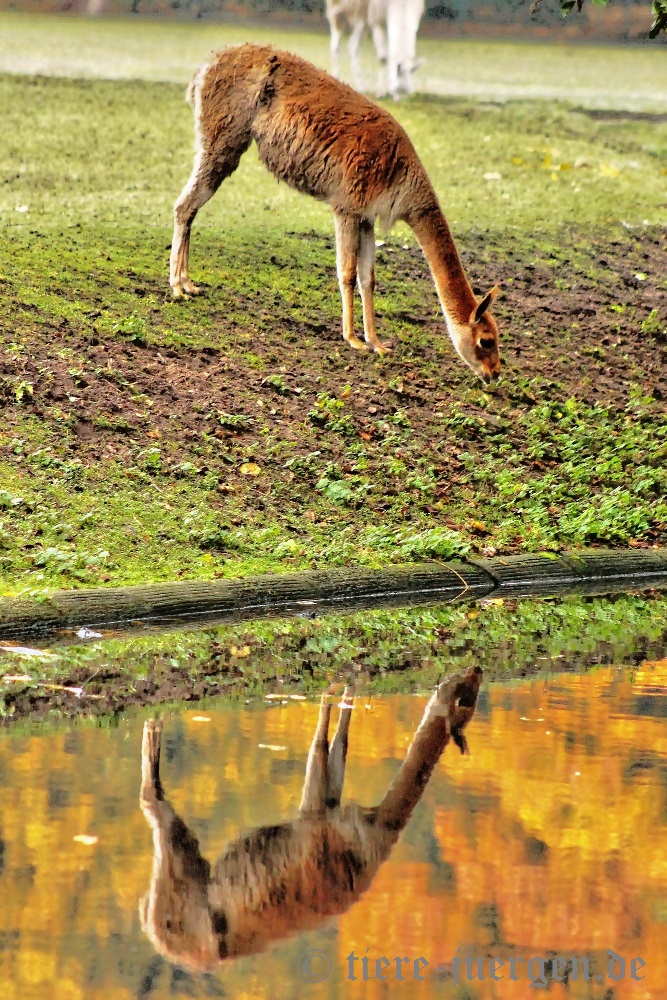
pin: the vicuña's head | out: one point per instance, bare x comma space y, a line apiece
477, 340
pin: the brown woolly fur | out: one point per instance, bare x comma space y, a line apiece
326, 140
279, 880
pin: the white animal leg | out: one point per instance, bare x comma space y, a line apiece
380, 42
336, 36
394, 47
353, 49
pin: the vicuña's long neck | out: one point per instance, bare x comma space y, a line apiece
456, 296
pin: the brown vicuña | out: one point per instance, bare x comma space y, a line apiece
279, 880
328, 141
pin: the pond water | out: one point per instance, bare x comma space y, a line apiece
548, 840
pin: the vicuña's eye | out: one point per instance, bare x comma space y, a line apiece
487, 343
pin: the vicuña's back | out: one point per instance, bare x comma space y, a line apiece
326, 140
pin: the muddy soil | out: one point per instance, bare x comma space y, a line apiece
560, 328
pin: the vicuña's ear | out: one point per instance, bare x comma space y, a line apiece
484, 305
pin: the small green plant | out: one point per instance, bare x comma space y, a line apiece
132, 327
277, 382
235, 421
654, 326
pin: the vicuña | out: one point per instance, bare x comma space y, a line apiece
279, 880
326, 140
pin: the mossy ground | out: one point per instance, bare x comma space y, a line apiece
146, 439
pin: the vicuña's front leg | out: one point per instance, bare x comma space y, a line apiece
366, 279
338, 751
196, 193
210, 168
347, 252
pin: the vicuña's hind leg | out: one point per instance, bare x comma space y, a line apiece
347, 252
207, 175
366, 279
151, 787
314, 795
338, 751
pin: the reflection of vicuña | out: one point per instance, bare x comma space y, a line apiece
328, 141
281, 879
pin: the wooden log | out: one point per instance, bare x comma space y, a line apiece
550, 573
251, 597
197, 602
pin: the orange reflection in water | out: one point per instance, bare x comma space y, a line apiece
549, 838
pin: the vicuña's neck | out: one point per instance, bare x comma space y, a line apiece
456, 296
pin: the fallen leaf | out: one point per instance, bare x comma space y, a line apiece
607, 170
84, 838
250, 469
200, 718
239, 651
270, 746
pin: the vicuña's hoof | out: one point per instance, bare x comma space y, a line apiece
152, 737
185, 290
358, 345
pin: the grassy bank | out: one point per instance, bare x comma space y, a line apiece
381, 652
142, 439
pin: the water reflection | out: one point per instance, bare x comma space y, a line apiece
549, 839
292, 876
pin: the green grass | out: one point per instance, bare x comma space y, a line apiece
91, 169
599, 76
117, 154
